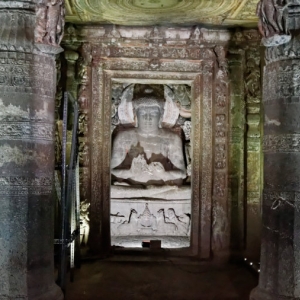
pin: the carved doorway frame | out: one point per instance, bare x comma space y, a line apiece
201, 78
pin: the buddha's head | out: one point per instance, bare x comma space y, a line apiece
149, 112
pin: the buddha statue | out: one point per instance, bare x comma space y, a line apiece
148, 154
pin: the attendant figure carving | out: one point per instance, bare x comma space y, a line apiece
84, 222
50, 16
273, 21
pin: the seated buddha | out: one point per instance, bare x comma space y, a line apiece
148, 154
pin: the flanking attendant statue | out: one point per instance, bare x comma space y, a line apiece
149, 154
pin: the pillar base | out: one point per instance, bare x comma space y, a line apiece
54, 293
258, 294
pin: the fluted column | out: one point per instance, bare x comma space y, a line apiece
280, 248
29, 37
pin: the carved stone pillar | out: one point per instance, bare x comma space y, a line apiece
280, 253
28, 43
237, 148
252, 77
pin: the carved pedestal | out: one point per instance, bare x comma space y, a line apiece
27, 90
280, 253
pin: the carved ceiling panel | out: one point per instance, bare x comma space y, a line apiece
153, 12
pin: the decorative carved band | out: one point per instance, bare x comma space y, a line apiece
195, 53
21, 185
281, 143
20, 70
26, 131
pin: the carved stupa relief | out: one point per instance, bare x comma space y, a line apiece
163, 221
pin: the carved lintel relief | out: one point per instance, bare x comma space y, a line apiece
194, 74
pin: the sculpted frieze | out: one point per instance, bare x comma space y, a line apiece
154, 52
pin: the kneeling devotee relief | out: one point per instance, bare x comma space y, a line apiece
149, 165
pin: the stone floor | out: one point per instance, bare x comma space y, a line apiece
154, 278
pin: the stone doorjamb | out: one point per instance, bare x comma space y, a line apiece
202, 150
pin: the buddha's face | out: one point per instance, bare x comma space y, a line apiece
148, 118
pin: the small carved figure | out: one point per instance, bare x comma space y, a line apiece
40, 27
83, 97
55, 22
82, 71
83, 153
273, 19
84, 222
82, 123
222, 61
219, 226
252, 79
50, 22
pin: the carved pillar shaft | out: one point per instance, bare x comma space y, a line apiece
237, 149
280, 253
27, 91
253, 153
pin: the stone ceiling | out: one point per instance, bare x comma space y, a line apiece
159, 12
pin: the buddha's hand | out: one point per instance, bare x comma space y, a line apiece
156, 168
139, 165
